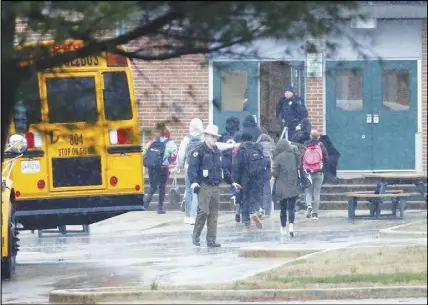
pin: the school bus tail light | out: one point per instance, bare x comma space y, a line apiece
17, 194
41, 184
119, 136
113, 181
34, 140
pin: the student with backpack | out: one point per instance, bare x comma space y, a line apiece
187, 145
249, 171
268, 145
158, 156
286, 162
314, 159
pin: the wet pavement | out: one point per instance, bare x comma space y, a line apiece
143, 248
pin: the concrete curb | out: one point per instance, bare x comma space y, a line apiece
257, 252
93, 296
393, 233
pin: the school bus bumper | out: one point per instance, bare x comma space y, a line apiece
47, 213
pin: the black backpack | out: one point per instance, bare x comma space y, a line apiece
155, 153
257, 162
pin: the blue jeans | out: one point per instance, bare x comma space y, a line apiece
188, 196
238, 197
267, 197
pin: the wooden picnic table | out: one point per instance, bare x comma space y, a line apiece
385, 179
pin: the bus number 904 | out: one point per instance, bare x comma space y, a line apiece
76, 139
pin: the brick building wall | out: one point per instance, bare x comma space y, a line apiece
172, 91
315, 102
424, 95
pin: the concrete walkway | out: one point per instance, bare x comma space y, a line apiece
144, 248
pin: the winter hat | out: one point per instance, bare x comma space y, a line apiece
196, 126
288, 87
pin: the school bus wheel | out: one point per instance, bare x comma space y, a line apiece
8, 263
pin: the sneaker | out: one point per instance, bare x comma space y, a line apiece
261, 213
283, 231
255, 217
186, 220
192, 221
161, 212
237, 218
213, 244
309, 212
291, 230
314, 216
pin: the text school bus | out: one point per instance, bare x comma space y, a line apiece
83, 163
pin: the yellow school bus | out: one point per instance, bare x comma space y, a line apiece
83, 162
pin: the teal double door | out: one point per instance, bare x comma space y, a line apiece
235, 91
371, 113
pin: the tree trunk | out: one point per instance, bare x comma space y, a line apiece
9, 81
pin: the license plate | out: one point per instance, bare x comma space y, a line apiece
30, 167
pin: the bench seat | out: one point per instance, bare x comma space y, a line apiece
397, 196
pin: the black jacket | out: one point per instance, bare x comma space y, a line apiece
241, 162
330, 169
292, 111
304, 134
249, 126
206, 166
232, 128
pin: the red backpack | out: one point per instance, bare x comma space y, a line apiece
313, 158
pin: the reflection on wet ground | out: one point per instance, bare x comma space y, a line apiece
164, 255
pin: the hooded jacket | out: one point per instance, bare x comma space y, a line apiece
285, 166
232, 127
196, 128
268, 144
250, 126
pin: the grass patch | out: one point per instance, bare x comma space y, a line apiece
347, 267
420, 226
354, 278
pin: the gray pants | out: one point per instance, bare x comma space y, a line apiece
209, 202
313, 193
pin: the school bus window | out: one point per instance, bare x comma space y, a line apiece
28, 94
71, 99
117, 102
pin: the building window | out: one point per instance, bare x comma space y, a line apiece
233, 90
395, 90
349, 88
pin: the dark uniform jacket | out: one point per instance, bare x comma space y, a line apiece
292, 110
206, 166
